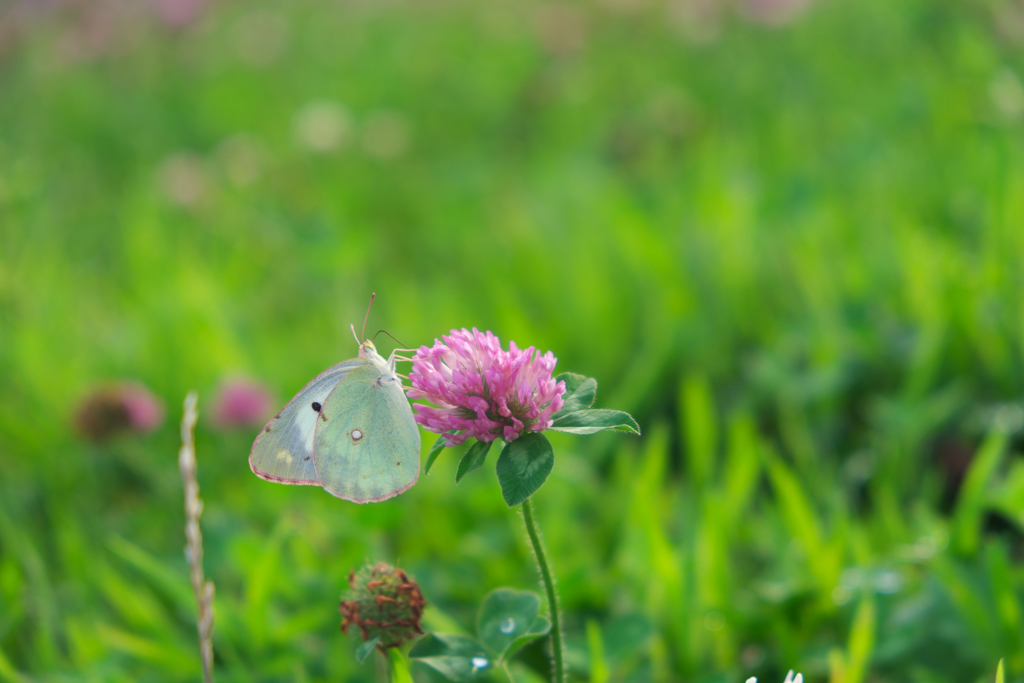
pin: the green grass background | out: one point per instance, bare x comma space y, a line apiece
795, 253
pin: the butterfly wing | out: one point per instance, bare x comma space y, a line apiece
367, 448
283, 451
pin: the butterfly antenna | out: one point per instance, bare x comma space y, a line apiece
390, 335
354, 335
372, 297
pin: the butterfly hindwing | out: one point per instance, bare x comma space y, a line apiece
367, 446
283, 451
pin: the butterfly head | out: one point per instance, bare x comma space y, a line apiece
367, 351
366, 347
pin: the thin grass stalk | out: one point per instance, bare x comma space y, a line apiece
202, 588
557, 655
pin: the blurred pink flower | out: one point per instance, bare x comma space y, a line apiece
483, 391
145, 411
241, 403
117, 407
179, 12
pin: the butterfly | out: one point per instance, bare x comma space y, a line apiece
350, 430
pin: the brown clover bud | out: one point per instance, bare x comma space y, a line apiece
118, 407
383, 602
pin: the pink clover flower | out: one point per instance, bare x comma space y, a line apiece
481, 390
241, 402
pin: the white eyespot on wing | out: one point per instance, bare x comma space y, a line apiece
356, 435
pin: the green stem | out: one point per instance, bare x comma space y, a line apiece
558, 668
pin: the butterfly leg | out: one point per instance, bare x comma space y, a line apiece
394, 358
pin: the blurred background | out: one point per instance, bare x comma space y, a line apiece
787, 235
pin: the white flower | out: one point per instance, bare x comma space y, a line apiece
789, 678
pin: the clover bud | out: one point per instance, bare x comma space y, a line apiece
383, 602
118, 407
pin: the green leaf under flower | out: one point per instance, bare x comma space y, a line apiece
473, 459
457, 658
436, 449
366, 648
509, 619
580, 392
523, 466
593, 421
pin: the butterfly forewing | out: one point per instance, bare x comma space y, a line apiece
367, 446
283, 451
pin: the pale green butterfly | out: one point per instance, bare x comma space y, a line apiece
350, 430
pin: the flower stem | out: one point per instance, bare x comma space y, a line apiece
558, 663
